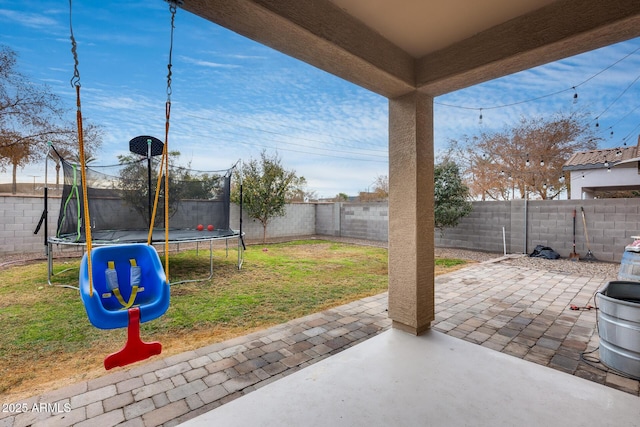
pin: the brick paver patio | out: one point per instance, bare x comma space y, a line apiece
522, 312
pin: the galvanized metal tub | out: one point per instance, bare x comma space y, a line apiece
629, 266
619, 326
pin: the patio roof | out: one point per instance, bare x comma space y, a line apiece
395, 47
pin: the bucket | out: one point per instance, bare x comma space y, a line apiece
619, 326
629, 266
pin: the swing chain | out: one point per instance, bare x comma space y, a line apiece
173, 7
75, 80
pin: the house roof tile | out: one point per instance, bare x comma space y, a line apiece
597, 158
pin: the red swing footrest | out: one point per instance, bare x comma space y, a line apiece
134, 349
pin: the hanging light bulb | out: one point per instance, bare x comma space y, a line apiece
541, 162
544, 185
606, 163
527, 163
597, 122
480, 118
575, 95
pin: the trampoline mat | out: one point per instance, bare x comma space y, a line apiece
140, 236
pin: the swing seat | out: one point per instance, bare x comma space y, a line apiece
104, 310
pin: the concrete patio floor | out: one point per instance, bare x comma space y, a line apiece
396, 379
515, 313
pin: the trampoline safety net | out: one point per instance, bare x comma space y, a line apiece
121, 197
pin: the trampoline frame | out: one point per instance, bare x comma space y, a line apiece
199, 237
51, 241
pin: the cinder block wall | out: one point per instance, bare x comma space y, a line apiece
19, 217
328, 219
610, 224
365, 220
299, 220
482, 229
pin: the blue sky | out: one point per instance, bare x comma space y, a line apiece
233, 97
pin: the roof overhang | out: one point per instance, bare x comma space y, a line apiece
395, 47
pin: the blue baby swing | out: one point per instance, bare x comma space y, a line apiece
124, 285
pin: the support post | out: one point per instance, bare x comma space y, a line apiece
411, 213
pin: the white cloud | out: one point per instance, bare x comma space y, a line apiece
207, 63
31, 20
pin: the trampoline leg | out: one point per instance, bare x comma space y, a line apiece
135, 349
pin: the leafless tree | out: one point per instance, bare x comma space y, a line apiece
523, 160
31, 115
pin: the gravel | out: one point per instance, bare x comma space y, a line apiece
608, 270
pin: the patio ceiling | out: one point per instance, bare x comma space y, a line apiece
394, 47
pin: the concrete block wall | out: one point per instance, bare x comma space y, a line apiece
299, 220
610, 224
483, 227
365, 220
328, 219
19, 217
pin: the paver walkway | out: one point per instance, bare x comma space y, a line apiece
522, 312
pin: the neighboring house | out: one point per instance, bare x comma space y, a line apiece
612, 169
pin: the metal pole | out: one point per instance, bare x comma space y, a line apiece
525, 220
150, 201
504, 241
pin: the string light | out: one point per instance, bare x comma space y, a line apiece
527, 163
541, 162
574, 88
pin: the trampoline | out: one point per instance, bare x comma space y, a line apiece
120, 211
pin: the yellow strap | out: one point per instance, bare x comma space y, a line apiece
134, 289
118, 295
85, 199
111, 265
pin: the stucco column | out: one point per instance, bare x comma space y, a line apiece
411, 223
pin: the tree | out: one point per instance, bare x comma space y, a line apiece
30, 115
380, 190
136, 188
265, 185
451, 195
298, 193
523, 160
381, 186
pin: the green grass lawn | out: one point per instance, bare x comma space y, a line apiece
45, 329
